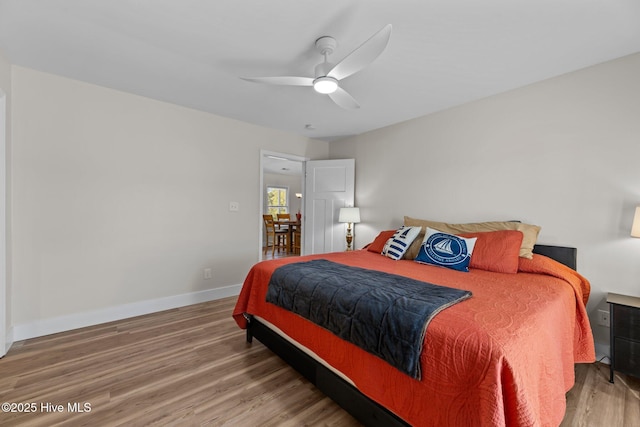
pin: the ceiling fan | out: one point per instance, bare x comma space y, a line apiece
327, 76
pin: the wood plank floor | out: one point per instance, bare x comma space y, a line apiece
192, 366
267, 255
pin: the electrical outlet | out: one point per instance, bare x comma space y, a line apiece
603, 318
234, 206
207, 273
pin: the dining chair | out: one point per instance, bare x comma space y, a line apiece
297, 238
274, 236
283, 217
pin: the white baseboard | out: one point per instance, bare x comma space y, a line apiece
8, 342
603, 352
54, 325
10, 337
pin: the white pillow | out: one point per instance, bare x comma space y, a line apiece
397, 245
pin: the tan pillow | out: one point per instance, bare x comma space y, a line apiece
530, 232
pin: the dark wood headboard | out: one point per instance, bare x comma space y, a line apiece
565, 255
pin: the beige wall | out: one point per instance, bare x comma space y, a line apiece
120, 199
563, 154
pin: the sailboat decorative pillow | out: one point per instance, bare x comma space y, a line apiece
446, 250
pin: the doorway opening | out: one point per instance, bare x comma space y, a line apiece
281, 194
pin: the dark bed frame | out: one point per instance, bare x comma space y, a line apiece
344, 394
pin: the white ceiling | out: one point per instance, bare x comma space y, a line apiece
281, 166
192, 52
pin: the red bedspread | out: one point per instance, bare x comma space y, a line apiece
501, 358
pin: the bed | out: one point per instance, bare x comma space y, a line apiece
504, 357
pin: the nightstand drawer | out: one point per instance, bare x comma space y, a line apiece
626, 322
624, 334
627, 356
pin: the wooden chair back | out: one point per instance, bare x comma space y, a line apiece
283, 217
269, 223
274, 237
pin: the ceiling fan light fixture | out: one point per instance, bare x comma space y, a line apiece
327, 76
325, 85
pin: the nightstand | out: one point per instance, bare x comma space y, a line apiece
624, 318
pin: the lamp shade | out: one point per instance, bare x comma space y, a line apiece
635, 228
349, 215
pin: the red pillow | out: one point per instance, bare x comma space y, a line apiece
378, 243
497, 251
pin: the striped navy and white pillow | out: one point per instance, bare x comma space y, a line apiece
397, 245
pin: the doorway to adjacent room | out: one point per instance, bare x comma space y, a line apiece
282, 192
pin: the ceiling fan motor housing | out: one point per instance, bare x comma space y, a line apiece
326, 45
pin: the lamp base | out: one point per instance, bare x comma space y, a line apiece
349, 237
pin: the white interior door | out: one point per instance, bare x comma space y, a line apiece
329, 186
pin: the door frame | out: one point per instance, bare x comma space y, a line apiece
288, 156
6, 335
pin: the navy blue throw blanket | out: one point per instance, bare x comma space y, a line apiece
384, 314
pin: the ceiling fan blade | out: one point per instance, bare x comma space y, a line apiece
282, 80
363, 55
344, 100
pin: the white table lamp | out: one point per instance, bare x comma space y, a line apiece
350, 216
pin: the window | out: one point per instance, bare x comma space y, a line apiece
277, 200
